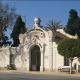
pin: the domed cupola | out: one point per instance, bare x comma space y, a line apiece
37, 22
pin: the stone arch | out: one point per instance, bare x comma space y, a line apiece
34, 58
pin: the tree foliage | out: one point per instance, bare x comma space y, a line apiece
69, 48
19, 27
73, 24
7, 18
53, 26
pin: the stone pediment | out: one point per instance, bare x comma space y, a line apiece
32, 37
36, 33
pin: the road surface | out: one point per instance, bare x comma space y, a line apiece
32, 76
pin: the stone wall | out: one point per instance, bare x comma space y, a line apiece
58, 60
4, 56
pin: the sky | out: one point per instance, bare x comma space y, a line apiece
47, 10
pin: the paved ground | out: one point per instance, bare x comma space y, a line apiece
23, 75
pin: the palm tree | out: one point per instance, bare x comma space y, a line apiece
53, 26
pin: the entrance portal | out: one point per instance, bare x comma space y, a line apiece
35, 59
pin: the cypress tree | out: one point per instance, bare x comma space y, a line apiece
19, 28
73, 26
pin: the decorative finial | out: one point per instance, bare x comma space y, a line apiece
37, 21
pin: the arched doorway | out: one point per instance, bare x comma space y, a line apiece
35, 59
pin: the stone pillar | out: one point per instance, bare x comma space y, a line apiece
51, 56
50, 47
77, 66
28, 64
51, 50
42, 61
27, 57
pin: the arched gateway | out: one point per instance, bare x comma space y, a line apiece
37, 51
35, 58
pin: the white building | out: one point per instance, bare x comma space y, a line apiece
36, 52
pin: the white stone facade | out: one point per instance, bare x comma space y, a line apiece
48, 50
35, 41
49, 58
4, 56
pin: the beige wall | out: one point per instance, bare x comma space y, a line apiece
4, 56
